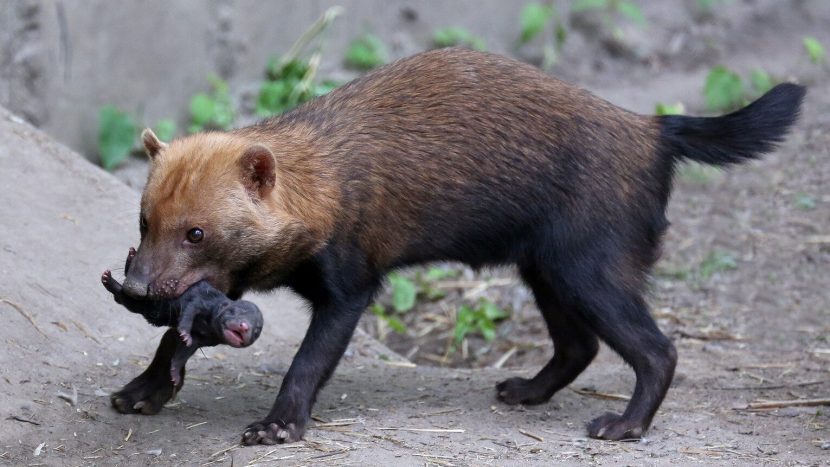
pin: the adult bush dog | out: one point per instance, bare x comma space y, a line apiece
449, 155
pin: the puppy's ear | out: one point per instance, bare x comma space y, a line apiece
152, 144
259, 170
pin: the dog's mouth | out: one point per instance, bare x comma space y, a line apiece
237, 333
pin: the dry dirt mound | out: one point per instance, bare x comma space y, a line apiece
66, 346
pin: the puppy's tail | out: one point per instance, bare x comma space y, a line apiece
739, 136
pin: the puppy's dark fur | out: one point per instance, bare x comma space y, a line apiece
202, 316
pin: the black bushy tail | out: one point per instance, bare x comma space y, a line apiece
739, 136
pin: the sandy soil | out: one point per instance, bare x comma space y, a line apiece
758, 331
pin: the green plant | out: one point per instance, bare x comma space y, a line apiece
404, 292
426, 281
723, 90
387, 319
457, 36
611, 9
291, 79
211, 111
761, 82
480, 319
165, 129
814, 49
366, 52
116, 135
288, 84
669, 109
805, 202
533, 20
118, 132
716, 261
673, 272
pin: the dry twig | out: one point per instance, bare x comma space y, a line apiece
503, 359
425, 430
85, 332
24, 314
601, 395
767, 405
531, 435
773, 386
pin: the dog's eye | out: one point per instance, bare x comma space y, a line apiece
142, 225
195, 235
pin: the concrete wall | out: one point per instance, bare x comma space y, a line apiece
61, 60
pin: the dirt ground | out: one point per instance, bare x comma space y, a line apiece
742, 290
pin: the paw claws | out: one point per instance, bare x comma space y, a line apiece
186, 338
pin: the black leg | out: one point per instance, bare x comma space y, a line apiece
147, 393
575, 346
604, 289
332, 325
640, 343
179, 360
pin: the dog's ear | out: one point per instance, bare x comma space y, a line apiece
259, 170
152, 144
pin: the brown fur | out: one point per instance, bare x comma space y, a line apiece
447, 155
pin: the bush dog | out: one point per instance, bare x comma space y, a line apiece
202, 315
449, 155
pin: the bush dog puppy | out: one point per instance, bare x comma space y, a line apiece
449, 155
202, 315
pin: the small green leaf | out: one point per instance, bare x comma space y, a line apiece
761, 81
805, 202
814, 48
295, 69
631, 11
723, 89
481, 319
561, 34
717, 261
487, 330
201, 109
273, 98
213, 110
395, 324
457, 36
366, 52
325, 87
404, 293
116, 136
669, 109
582, 5
165, 129
463, 323
437, 274
533, 19
491, 311
378, 309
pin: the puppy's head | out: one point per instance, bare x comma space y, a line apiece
238, 323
